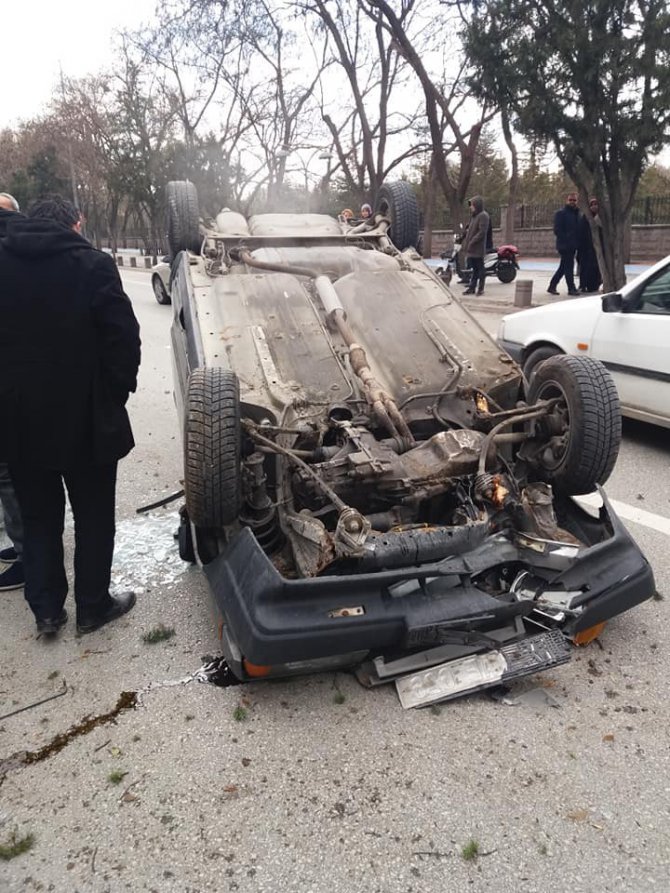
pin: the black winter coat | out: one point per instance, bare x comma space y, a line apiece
566, 228
69, 349
5, 218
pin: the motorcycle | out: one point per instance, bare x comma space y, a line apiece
500, 262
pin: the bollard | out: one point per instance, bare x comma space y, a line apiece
133, 261
523, 292
119, 260
147, 263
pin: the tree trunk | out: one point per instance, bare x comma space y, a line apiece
429, 210
510, 214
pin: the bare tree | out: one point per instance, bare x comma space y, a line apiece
363, 133
445, 99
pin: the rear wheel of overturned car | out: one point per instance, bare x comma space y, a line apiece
212, 444
160, 292
397, 201
183, 217
506, 273
581, 435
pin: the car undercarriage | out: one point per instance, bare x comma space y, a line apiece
370, 482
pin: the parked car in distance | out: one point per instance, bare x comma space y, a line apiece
628, 331
160, 281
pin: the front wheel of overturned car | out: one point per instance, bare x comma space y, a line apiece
506, 273
212, 445
398, 203
577, 443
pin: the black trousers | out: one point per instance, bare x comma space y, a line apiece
476, 264
565, 268
91, 489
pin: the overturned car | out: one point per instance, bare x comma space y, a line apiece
369, 480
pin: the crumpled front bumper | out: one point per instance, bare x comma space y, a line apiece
273, 620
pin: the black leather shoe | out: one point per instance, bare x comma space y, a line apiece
9, 555
118, 606
49, 626
12, 577
574, 293
469, 291
552, 291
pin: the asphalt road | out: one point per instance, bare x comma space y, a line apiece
316, 784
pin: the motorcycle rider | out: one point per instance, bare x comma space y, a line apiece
474, 245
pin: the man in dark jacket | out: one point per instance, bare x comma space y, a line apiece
566, 230
474, 245
69, 355
12, 576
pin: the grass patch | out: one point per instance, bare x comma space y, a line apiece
116, 777
15, 846
339, 697
470, 851
239, 713
159, 633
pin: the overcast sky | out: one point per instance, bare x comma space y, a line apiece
40, 35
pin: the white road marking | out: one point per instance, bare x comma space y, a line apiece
631, 513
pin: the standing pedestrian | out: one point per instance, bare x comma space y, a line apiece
474, 245
11, 558
69, 355
566, 227
590, 279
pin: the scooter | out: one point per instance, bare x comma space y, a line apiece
501, 262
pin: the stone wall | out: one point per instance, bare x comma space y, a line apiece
649, 243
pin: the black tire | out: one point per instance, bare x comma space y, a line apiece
161, 295
397, 201
537, 356
183, 217
506, 273
583, 433
212, 443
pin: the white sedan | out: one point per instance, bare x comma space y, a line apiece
628, 330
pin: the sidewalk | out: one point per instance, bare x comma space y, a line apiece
498, 297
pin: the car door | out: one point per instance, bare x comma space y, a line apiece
634, 345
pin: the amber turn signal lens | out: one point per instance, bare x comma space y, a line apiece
257, 671
584, 636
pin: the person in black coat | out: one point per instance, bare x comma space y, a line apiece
11, 577
69, 355
590, 279
566, 228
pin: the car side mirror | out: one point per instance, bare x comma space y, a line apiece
612, 303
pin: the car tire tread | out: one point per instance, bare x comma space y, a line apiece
595, 417
212, 448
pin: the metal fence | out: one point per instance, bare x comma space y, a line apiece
647, 211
